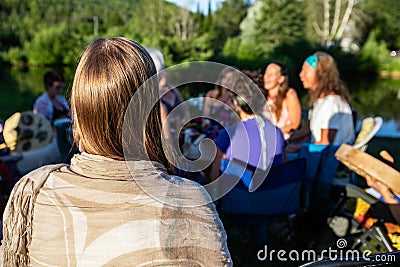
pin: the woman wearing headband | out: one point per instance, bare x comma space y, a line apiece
330, 119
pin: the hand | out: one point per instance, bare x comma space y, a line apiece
382, 189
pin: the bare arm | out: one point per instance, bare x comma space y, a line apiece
294, 109
327, 136
164, 122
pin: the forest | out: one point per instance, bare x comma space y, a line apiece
360, 33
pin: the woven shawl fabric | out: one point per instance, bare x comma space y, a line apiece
98, 213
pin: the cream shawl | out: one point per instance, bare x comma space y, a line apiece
99, 212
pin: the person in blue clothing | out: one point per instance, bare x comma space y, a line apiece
254, 140
52, 104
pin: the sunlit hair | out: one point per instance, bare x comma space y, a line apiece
328, 79
109, 73
283, 89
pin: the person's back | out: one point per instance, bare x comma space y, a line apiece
116, 204
270, 143
254, 140
95, 213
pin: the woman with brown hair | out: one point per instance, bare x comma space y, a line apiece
330, 119
221, 110
116, 204
282, 101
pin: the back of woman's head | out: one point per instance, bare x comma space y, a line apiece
247, 94
329, 78
109, 73
220, 83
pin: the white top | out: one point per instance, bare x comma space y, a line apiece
332, 112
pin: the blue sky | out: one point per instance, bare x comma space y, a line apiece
192, 4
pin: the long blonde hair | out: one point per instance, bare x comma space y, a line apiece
109, 73
328, 79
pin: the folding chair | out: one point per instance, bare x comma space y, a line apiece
369, 128
279, 196
363, 220
359, 218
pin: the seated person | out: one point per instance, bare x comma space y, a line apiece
254, 140
170, 96
330, 119
220, 110
116, 204
51, 104
282, 101
330, 123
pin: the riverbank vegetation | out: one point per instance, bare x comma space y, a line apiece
360, 34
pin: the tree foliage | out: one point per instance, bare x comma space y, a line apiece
385, 22
44, 32
329, 21
226, 22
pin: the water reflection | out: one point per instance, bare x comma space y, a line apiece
379, 97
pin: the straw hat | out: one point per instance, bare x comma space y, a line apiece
25, 131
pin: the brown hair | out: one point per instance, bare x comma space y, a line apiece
328, 79
246, 93
222, 74
283, 89
52, 76
109, 73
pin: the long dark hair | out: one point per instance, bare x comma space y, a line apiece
328, 79
283, 89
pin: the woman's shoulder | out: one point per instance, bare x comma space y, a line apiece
190, 192
43, 97
61, 98
291, 93
42, 172
335, 98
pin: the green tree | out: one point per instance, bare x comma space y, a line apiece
328, 22
374, 54
385, 22
226, 22
271, 23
